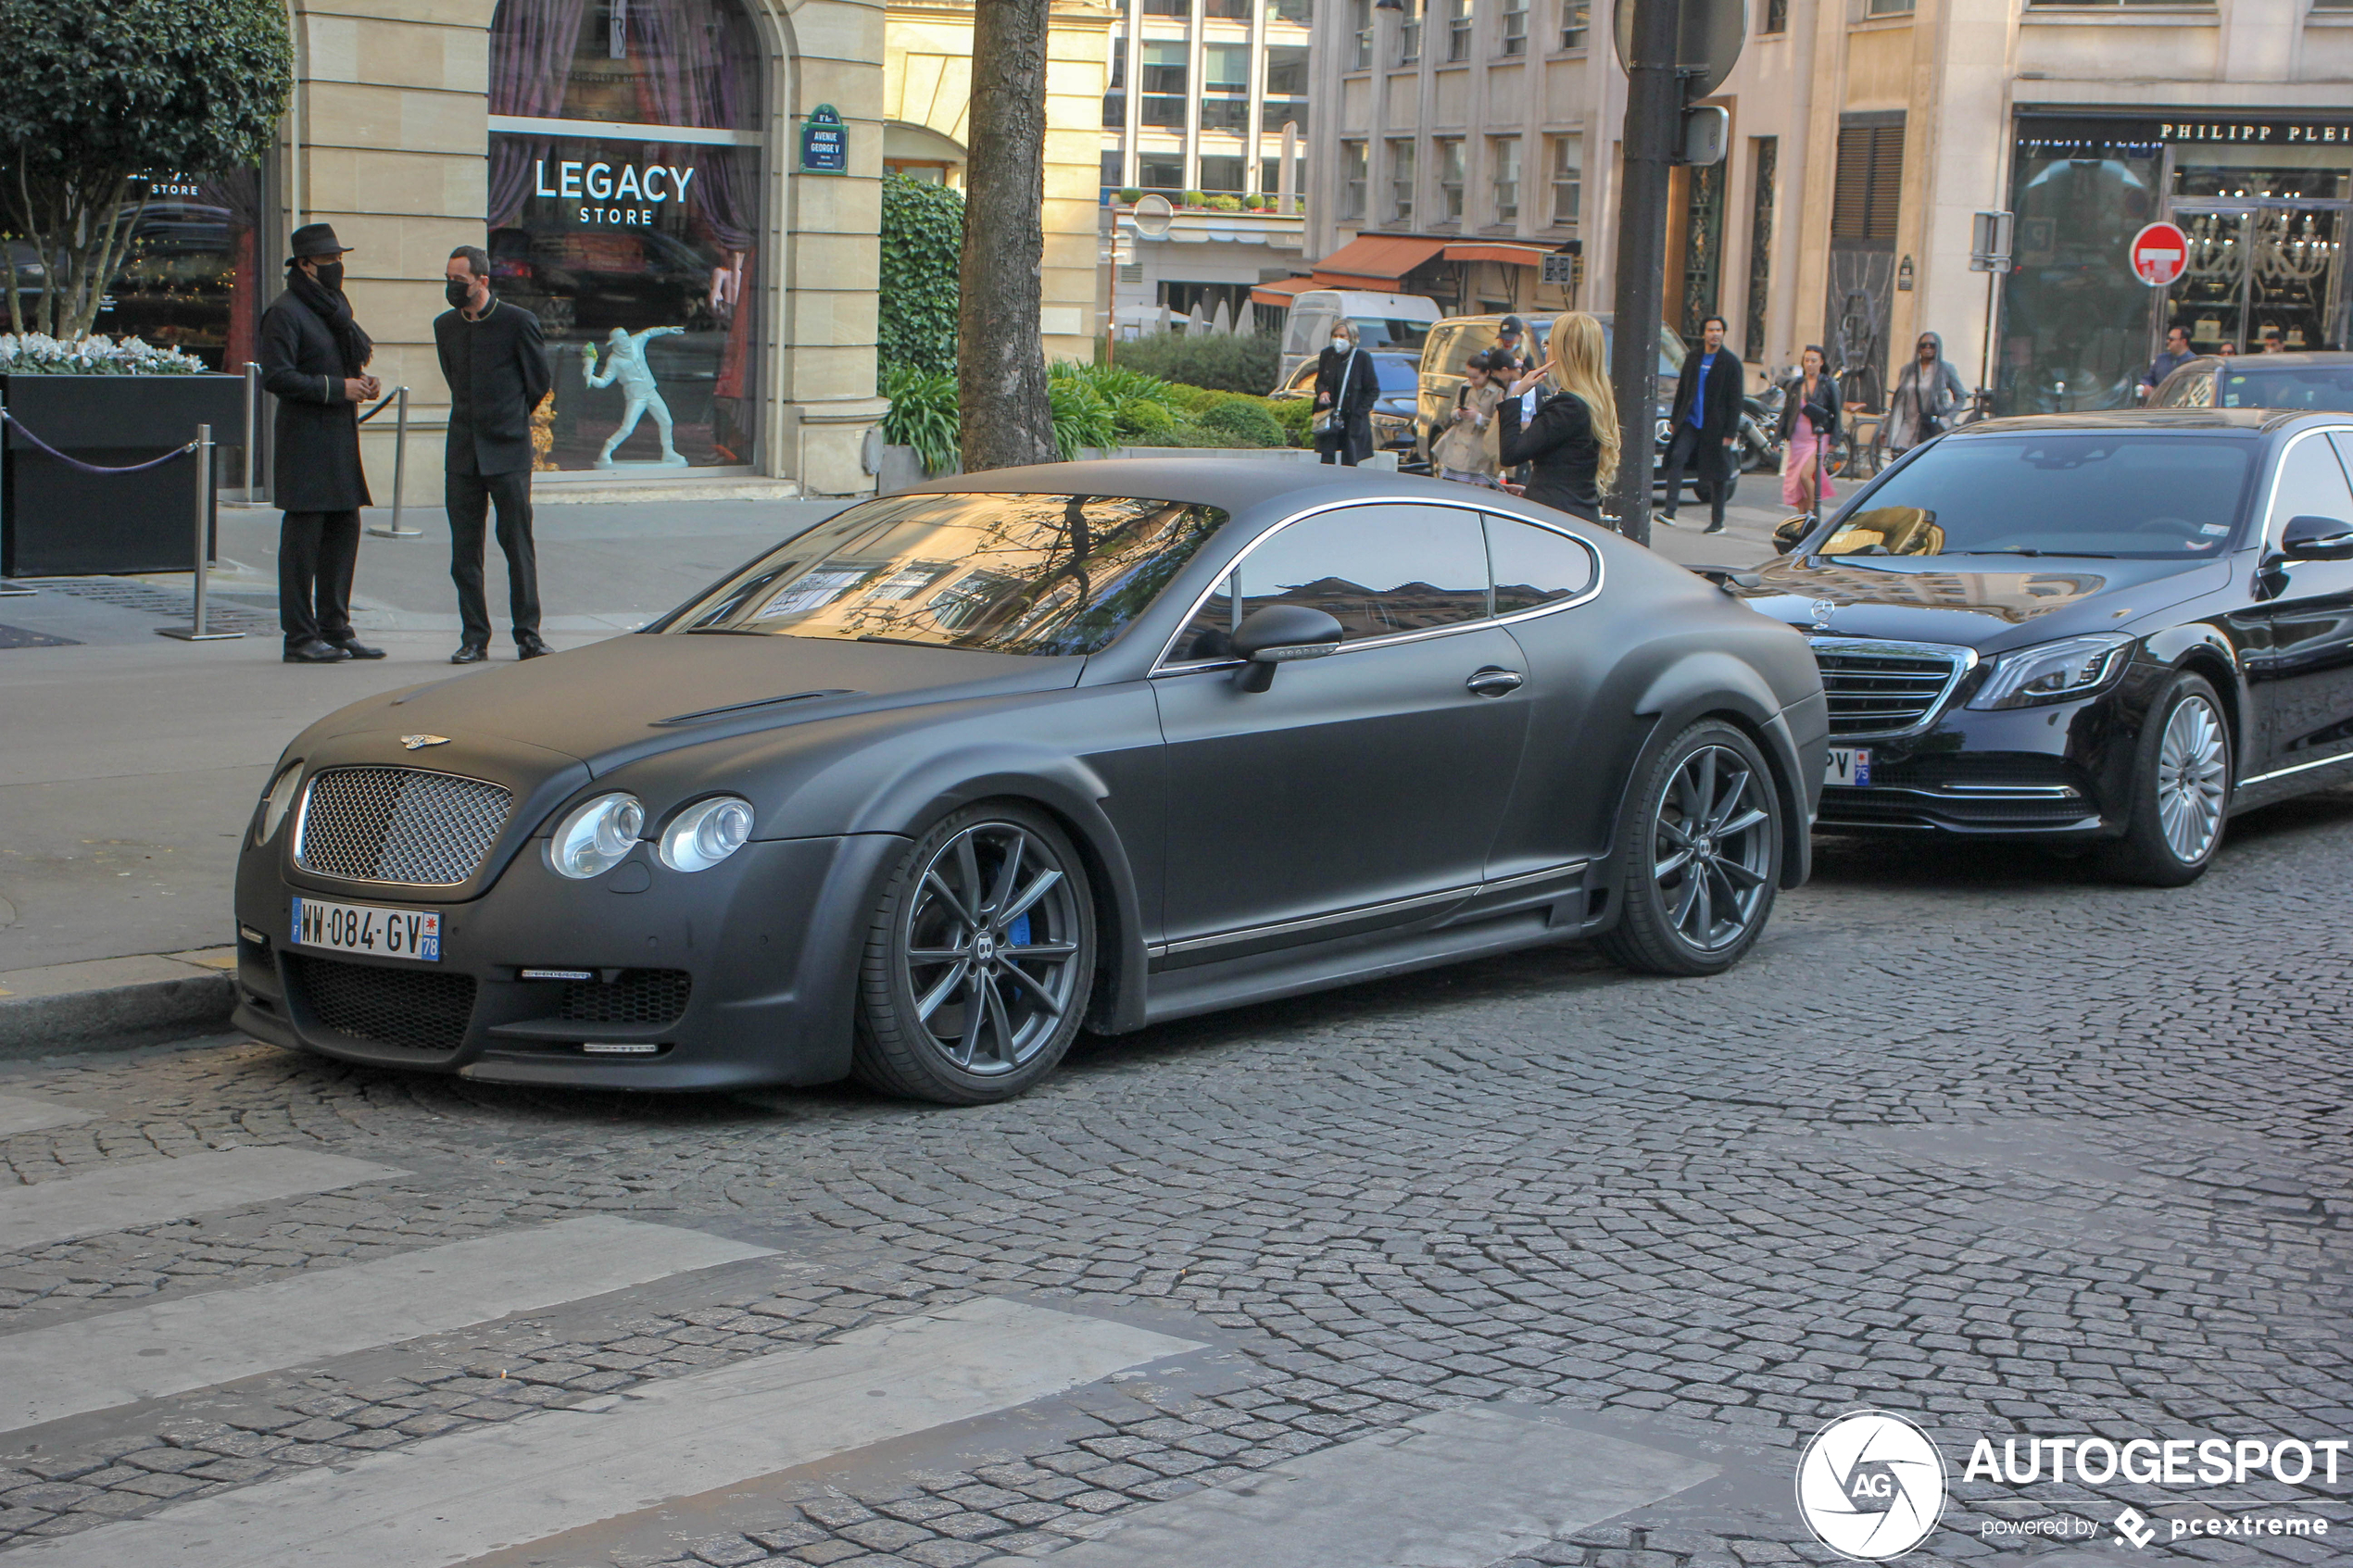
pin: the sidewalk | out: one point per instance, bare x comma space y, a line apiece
130, 762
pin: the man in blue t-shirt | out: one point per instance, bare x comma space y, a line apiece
2177, 354
1705, 418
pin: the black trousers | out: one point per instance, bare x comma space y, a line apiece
317, 552
1689, 449
469, 497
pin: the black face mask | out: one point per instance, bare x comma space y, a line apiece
331, 275
459, 292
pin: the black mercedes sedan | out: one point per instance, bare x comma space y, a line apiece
2111, 631
931, 787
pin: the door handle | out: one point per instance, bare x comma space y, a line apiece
1496, 682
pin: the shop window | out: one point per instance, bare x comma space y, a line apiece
1351, 179
637, 248
1569, 180
2075, 318
1449, 177
194, 278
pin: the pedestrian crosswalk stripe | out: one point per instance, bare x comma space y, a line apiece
18, 1114
457, 1497
149, 1192
196, 1341
1458, 1488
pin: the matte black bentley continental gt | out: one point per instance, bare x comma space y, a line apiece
2103, 630
924, 790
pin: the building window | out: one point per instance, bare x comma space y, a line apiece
1225, 104
635, 249
1270, 176
1763, 159
1222, 176
1401, 182
1576, 18
1569, 180
1286, 89
1169, 8
1165, 92
1776, 17
1458, 29
1115, 100
1409, 33
1449, 177
1351, 181
1164, 172
1887, 7
1506, 152
1515, 27
1228, 10
1115, 167
1360, 21
1299, 13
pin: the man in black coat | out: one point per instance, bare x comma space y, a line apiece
1706, 418
498, 372
314, 361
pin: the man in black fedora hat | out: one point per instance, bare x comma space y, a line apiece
314, 359
491, 358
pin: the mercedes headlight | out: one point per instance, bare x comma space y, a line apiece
2061, 672
597, 836
706, 833
278, 802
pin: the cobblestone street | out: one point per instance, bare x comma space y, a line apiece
1971, 1136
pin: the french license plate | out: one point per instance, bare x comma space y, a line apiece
367, 928
1847, 765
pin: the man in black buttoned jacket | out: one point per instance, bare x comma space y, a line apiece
314, 361
1706, 417
498, 372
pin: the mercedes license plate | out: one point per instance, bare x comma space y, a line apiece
1847, 765
367, 928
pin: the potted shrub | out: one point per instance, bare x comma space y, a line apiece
1193, 199
112, 406
1255, 202
1131, 195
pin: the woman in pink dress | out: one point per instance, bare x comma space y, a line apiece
1809, 420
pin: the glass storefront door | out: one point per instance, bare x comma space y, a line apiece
2275, 270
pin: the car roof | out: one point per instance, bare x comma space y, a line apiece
1237, 485
2297, 360
2252, 422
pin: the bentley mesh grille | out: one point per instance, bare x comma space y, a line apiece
422, 1009
402, 825
1887, 688
640, 996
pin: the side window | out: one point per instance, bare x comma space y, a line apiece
2195, 391
1534, 566
2311, 483
1378, 570
2344, 439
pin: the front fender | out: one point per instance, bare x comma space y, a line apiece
1708, 681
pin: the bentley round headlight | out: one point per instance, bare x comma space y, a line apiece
278, 802
706, 833
596, 836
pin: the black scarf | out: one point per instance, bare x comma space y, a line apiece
331, 306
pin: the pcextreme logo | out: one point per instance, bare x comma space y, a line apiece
1870, 1486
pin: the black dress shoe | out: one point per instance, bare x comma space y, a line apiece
469, 653
532, 649
312, 651
354, 647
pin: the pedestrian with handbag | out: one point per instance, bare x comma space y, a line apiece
1346, 389
1927, 393
1571, 445
1465, 451
314, 361
491, 359
1809, 423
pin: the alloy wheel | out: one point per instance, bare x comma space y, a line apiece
990, 947
1712, 849
2193, 769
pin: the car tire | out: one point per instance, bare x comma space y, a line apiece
1669, 880
2180, 789
973, 982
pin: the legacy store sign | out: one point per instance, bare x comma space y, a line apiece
605, 183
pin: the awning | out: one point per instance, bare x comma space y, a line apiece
1281, 295
1373, 262
1497, 250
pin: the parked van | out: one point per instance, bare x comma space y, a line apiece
1397, 322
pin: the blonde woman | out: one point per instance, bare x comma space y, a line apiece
1572, 439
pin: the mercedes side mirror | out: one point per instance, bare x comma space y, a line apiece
1279, 635
2316, 538
1789, 531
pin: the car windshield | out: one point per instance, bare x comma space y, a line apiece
1397, 373
2309, 386
1017, 573
2094, 492
1391, 332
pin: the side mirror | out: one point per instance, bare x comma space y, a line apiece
2316, 538
1789, 531
1279, 635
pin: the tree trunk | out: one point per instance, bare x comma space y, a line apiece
1001, 354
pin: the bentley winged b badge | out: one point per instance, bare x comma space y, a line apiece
418, 742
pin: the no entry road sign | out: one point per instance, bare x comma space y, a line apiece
2159, 254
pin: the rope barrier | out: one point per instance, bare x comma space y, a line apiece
381, 402
39, 445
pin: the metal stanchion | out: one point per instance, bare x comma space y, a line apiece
400, 466
194, 632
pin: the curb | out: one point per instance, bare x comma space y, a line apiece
109, 1004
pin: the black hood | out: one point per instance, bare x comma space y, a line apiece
631, 697
1956, 600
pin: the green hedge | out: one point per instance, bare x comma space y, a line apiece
922, 243
1098, 405
1246, 363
